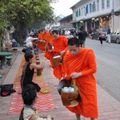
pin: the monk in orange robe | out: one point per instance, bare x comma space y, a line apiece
50, 39
40, 37
46, 37
60, 44
80, 65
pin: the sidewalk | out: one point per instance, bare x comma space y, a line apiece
108, 106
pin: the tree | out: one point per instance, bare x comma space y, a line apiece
3, 22
23, 14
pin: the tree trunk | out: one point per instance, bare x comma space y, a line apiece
1, 41
20, 33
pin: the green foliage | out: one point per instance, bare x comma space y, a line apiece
23, 14
25, 11
3, 21
28, 11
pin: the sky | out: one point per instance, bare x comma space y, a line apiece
62, 7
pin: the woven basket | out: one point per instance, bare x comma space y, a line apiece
73, 98
57, 60
49, 47
42, 42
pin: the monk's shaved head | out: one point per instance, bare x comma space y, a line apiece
74, 41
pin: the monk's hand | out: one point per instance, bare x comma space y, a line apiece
62, 52
76, 75
50, 50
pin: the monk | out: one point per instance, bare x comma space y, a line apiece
80, 65
60, 44
46, 37
49, 44
40, 37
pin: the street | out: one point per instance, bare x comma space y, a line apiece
108, 59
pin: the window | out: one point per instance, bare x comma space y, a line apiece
86, 9
90, 7
103, 4
108, 3
98, 5
84, 13
77, 13
94, 7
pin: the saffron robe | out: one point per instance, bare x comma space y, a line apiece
40, 37
46, 37
85, 63
60, 44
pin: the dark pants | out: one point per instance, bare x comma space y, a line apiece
37, 87
101, 40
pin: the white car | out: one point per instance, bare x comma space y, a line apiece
115, 38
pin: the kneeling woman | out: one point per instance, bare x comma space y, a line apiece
28, 71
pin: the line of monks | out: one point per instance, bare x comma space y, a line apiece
53, 44
57, 49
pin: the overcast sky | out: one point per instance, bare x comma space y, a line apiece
62, 7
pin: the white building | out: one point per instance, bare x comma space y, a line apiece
95, 14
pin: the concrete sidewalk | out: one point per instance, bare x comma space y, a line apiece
108, 106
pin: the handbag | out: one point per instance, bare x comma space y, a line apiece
6, 90
69, 92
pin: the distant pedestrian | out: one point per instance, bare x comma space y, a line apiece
30, 39
109, 35
82, 34
101, 37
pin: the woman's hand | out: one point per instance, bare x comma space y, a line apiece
75, 75
37, 66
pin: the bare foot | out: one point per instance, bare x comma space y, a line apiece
93, 119
78, 117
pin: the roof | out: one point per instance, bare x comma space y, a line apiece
77, 4
81, 2
66, 18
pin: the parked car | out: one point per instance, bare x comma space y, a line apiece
115, 38
96, 34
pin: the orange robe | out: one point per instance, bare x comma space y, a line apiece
40, 46
60, 44
46, 37
84, 62
50, 39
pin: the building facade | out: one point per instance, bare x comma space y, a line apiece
96, 14
66, 22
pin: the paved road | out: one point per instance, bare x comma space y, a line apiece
108, 59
